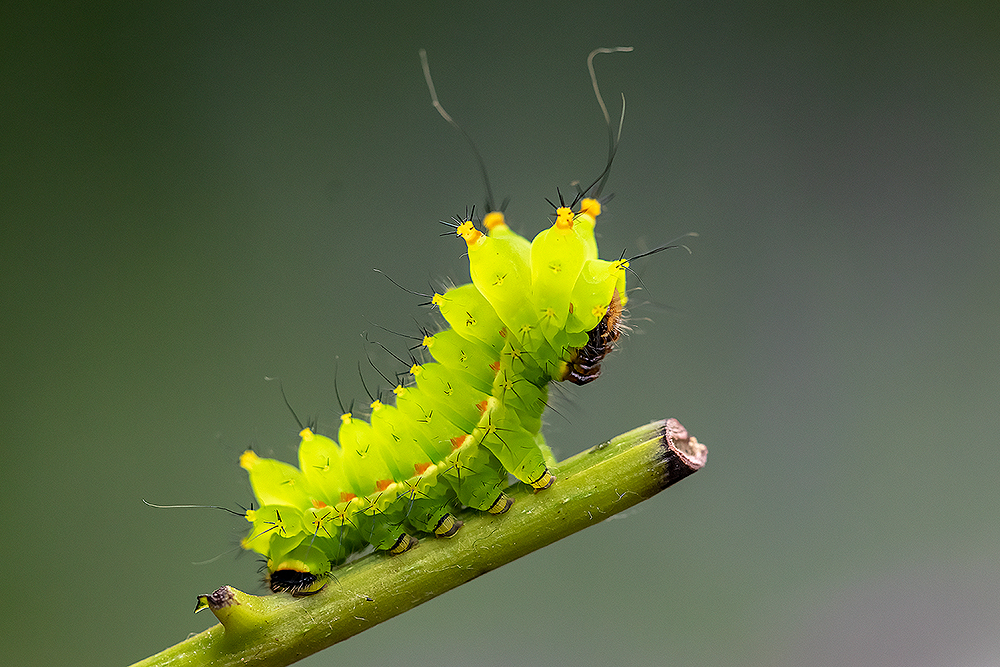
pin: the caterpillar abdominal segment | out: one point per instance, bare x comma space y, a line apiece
470, 415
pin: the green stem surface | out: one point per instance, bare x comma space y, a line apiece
591, 486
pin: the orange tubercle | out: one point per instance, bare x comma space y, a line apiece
590, 207
469, 232
494, 220
564, 218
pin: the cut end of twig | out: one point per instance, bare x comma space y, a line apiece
222, 597
681, 453
237, 611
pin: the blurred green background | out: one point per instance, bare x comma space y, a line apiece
194, 196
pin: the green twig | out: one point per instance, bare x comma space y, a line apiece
602, 481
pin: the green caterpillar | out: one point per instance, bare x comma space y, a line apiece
535, 312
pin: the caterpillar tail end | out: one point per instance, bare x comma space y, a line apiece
447, 526
300, 582
545, 481
403, 544
238, 612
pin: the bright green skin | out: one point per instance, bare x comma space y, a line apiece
472, 416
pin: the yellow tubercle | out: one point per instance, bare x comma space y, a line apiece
376, 405
249, 459
346, 417
306, 434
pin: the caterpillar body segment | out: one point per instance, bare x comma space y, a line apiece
534, 312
